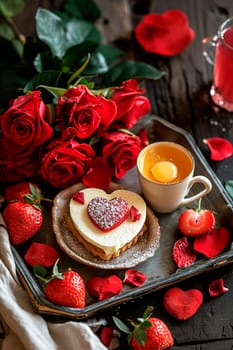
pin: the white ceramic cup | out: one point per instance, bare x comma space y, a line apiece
165, 196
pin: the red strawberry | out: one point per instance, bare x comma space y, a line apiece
197, 222
182, 304
149, 333
23, 221
19, 190
41, 254
67, 289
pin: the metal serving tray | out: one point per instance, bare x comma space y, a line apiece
160, 269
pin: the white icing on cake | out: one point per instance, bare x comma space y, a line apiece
111, 241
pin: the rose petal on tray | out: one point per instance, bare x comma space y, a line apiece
183, 253
134, 277
166, 34
104, 287
212, 243
41, 254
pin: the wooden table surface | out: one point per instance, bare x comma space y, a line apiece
181, 97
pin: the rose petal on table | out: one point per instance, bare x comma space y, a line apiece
166, 34
99, 175
220, 148
217, 287
212, 243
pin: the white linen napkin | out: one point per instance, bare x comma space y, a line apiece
27, 330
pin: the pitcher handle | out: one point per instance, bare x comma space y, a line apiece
208, 48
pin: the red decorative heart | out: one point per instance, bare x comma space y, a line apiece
212, 243
108, 214
182, 304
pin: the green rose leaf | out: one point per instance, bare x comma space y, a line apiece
85, 9
11, 8
51, 31
61, 36
131, 70
229, 187
46, 61
48, 78
75, 54
110, 53
6, 31
97, 65
79, 31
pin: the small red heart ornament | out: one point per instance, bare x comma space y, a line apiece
212, 243
182, 304
108, 214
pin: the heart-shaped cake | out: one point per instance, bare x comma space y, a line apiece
102, 222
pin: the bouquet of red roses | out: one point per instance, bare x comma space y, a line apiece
83, 136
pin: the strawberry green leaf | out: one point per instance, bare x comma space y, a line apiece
40, 271
140, 335
121, 325
146, 324
148, 311
229, 187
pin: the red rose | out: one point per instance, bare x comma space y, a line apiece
87, 113
164, 34
121, 151
17, 162
25, 121
131, 106
66, 163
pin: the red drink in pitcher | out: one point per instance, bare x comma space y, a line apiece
222, 89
